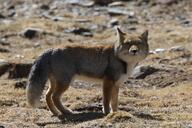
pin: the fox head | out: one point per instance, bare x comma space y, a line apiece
131, 48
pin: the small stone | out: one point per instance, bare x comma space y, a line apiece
87, 4
4, 66
3, 41
21, 84
114, 22
2, 16
57, 18
186, 23
141, 72
116, 3
118, 11
158, 50
31, 32
11, 7
37, 45
132, 28
145, 115
4, 50
166, 2
82, 20
177, 48
103, 2
79, 31
20, 70
45, 7
11, 14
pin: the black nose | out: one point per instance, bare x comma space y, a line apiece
134, 51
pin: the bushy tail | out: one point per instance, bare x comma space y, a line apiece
37, 79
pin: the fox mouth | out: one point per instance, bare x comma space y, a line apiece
134, 52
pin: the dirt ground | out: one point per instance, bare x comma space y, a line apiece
160, 97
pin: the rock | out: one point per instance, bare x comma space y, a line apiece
82, 20
118, 11
113, 22
21, 84
11, 14
116, 3
2, 16
141, 72
166, 2
79, 31
131, 19
54, 18
31, 32
144, 115
1, 126
90, 107
44, 7
102, 2
186, 23
158, 50
57, 18
3, 41
131, 14
11, 7
4, 66
87, 4
177, 48
19, 70
142, 2
73, 2
80, 3
98, 28
132, 28
4, 50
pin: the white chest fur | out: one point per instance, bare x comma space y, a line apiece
124, 77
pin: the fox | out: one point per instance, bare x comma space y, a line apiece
111, 63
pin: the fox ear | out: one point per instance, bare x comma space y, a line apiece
120, 35
145, 35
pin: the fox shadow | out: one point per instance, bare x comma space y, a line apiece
80, 116
73, 118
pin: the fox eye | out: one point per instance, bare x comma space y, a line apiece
133, 50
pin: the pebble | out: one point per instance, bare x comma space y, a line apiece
141, 72
79, 31
116, 3
31, 32
118, 11
114, 22
177, 48
4, 66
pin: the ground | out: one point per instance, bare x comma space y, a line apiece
161, 97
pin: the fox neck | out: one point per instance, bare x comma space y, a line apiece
129, 64
130, 68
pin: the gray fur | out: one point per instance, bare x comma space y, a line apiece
37, 78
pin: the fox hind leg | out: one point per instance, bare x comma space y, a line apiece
58, 91
49, 100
